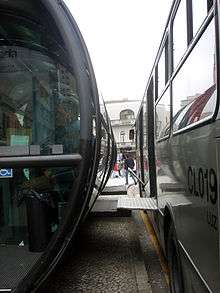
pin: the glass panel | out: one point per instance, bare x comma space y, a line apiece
163, 116
39, 102
161, 73
194, 95
179, 33
199, 13
39, 115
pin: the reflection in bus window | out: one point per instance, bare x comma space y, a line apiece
199, 13
161, 73
39, 115
179, 33
201, 108
163, 115
194, 84
39, 99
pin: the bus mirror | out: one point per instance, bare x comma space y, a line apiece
131, 134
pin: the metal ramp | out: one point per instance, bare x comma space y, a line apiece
137, 203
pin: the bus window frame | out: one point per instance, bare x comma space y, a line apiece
157, 101
164, 48
210, 119
141, 140
150, 110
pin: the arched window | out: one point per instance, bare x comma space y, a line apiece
126, 114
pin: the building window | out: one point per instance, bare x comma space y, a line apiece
127, 114
122, 136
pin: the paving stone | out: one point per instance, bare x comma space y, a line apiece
108, 259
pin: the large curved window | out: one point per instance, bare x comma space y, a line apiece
39, 115
39, 111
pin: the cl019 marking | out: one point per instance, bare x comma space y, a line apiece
203, 183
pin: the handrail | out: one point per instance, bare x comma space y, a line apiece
135, 175
40, 161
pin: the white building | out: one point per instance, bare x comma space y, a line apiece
122, 114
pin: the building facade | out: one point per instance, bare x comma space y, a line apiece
122, 114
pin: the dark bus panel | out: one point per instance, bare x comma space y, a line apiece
51, 139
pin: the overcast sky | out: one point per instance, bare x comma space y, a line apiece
122, 37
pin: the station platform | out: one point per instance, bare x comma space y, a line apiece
113, 253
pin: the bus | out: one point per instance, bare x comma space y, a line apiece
178, 146
55, 139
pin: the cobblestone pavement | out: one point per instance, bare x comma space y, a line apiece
108, 259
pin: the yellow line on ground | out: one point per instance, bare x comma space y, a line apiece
156, 245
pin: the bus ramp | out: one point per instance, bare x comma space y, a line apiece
120, 203
136, 203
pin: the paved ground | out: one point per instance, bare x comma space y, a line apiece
108, 259
113, 253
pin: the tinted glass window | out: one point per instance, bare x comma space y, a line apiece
163, 115
194, 95
179, 33
39, 102
39, 115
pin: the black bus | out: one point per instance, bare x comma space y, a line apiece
54, 139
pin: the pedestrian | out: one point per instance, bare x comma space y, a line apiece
115, 170
129, 163
120, 165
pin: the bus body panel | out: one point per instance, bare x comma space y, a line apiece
187, 181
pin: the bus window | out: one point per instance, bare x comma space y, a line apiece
161, 73
39, 115
179, 33
199, 13
163, 116
201, 108
194, 85
39, 99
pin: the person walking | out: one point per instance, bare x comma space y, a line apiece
120, 165
129, 163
